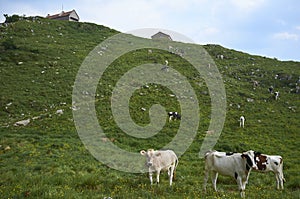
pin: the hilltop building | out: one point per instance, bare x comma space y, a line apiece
69, 16
161, 35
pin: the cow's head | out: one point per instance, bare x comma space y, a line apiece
261, 161
249, 157
150, 155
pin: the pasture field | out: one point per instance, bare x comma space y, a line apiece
39, 60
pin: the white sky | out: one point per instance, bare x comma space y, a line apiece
262, 27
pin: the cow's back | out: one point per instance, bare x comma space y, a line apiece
268, 163
223, 164
164, 158
276, 162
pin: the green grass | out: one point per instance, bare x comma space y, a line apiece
39, 60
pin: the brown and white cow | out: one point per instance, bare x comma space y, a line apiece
236, 165
271, 163
157, 161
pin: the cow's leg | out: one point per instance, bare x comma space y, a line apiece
244, 181
206, 173
150, 177
247, 179
157, 176
281, 175
214, 178
171, 174
241, 185
242, 192
278, 180
281, 182
281, 179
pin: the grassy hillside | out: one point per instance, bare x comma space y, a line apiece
39, 60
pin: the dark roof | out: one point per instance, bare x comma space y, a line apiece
161, 35
62, 14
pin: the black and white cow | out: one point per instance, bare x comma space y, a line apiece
271, 163
236, 165
242, 121
271, 89
174, 116
276, 95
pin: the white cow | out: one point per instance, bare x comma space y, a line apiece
271, 163
22, 123
166, 62
242, 121
160, 160
237, 165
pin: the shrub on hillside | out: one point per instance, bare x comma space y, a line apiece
9, 44
13, 18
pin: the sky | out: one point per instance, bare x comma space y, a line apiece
268, 28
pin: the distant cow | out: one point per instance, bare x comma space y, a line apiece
160, 160
271, 163
165, 67
237, 165
255, 83
174, 115
166, 62
276, 95
271, 89
22, 123
242, 121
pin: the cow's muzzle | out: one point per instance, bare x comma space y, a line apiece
149, 164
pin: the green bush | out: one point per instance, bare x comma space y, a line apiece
13, 18
9, 44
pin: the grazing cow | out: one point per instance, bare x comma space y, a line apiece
276, 95
242, 121
166, 62
237, 165
165, 67
174, 115
255, 83
160, 160
271, 89
220, 56
22, 123
271, 163
59, 112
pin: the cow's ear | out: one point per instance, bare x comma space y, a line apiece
158, 154
257, 153
243, 156
142, 152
